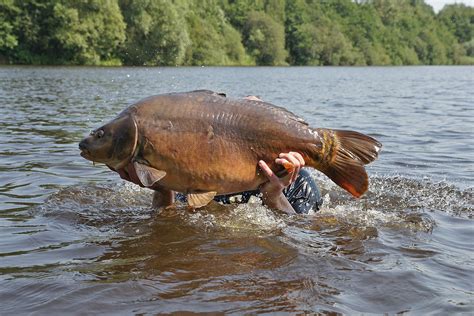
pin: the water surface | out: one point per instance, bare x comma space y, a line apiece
74, 238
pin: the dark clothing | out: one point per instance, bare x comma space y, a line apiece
303, 194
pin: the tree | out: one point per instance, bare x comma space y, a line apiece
87, 32
237, 10
459, 19
213, 40
265, 39
156, 33
295, 37
33, 27
8, 25
234, 32
66, 31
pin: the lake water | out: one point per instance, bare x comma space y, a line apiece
74, 238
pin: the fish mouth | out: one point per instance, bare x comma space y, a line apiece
86, 154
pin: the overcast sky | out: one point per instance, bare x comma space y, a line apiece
439, 4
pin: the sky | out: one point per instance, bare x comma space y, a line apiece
439, 4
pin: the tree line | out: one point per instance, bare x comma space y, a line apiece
234, 32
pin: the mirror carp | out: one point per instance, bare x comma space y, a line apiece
204, 144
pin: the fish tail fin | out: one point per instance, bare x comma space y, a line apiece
342, 156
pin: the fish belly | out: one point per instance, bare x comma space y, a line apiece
196, 165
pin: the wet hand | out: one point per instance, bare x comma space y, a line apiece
292, 162
272, 191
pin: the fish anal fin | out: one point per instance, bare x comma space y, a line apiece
148, 175
198, 200
349, 175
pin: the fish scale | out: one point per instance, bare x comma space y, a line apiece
202, 143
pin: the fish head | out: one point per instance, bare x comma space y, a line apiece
112, 144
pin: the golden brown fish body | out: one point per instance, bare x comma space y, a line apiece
201, 141
207, 142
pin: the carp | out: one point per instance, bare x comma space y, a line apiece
203, 144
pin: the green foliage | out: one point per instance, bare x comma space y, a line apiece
8, 22
62, 31
238, 10
469, 47
459, 19
214, 41
87, 32
322, 45
33, 30
412, 34
234, 32
265, 39
156, 33
297, 38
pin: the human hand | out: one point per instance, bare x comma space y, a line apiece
272, 191
292, 162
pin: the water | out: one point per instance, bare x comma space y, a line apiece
74, 238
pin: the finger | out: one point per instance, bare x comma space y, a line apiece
268, 172
291, 158
296, 163
300, 164
299, 157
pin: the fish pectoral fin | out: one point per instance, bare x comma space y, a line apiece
148, 175
198, 200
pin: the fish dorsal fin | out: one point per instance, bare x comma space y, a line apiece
148, 175
222, 94
198, 200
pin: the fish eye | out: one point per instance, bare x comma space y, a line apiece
100, 133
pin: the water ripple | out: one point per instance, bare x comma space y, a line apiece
75, 237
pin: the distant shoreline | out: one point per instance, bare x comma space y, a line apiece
235, 33
224, 66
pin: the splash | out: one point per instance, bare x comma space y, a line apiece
104, 206
397, 202
392, 201
396, 192
251, 216
125, 207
